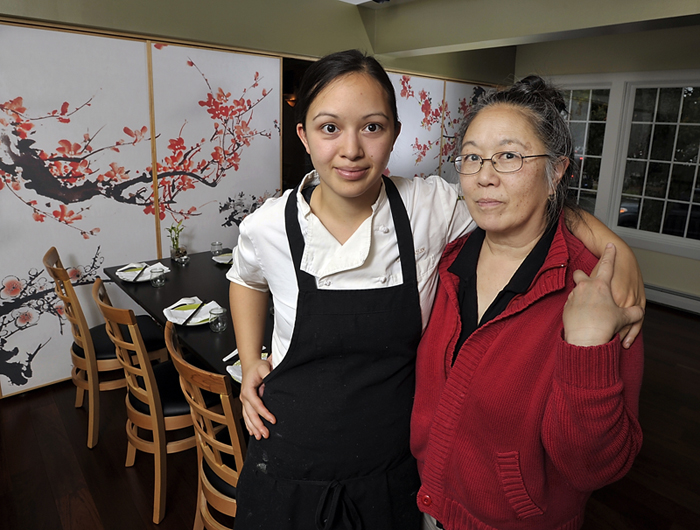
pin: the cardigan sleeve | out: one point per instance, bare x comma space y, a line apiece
590, 427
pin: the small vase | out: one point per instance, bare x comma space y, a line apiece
179, 255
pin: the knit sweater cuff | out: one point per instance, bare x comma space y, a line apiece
589, 367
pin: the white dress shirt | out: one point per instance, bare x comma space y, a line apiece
368, 259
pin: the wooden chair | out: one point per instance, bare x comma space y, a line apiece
154, 401
95, 364
221, 445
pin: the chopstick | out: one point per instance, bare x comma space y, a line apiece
140, 273
196, 309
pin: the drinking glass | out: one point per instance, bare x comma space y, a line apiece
157, 278
217, 248
218, 319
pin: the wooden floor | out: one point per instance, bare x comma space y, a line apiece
50, 480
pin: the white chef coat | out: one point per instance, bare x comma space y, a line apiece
368, 259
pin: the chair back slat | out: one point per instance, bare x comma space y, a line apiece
131, 351
209, 421
71, 304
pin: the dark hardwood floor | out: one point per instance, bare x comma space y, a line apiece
50, 480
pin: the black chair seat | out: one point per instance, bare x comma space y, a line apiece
215, 480
151, 333
171, 397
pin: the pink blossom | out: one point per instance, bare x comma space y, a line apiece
25, 317
12, 287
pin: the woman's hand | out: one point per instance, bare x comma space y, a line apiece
252, 389
591, 316
627, 282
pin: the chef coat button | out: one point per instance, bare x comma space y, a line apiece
326, 282
382, 279
384, 229
426, 500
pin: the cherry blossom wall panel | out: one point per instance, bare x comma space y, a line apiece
459, 97
417, 150
76, 169
74, 158
217, 121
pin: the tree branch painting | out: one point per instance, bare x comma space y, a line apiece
23, 301
437, 114
78, 152
73, 172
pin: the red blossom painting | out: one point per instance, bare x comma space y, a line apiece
80, 142
70, 174
430, 111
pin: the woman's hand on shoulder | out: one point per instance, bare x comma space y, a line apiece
627, 281
591, 316
252, 389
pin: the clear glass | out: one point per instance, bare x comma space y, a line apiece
629, 212
179, 255
579, 104
644, 104
651, 215
675, 218
596, 134
640, 137
669, 105
599, 105
157, 278
687, 144
634, 177
217, 248
681, 187
662, 143
218, 319
691, 105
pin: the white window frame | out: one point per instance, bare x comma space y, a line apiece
622, 87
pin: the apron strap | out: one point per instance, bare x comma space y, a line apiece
402, 224
296, 241
404, 234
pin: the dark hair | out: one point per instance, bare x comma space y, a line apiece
331, 67
544, 106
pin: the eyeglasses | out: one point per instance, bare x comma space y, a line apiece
505, 162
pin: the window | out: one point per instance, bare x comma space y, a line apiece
588, 113
661, 188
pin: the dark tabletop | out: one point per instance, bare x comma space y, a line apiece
201, 277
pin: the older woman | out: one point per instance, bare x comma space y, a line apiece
519, 414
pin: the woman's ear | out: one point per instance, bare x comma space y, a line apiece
396, 134
562, 166
301, 133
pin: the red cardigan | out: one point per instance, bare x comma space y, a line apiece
524, 426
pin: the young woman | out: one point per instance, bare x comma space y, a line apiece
350, 259
519, 413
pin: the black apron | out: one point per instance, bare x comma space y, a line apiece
338, 456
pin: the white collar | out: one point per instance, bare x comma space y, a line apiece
323, 254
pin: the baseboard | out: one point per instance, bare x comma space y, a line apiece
669, 297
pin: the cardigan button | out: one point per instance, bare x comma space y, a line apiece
426, 500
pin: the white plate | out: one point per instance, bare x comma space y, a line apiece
180, 310
129, 272
225, 259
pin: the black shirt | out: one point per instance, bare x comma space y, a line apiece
464, 266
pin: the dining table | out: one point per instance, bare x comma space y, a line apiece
203, 277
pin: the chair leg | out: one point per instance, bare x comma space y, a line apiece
93, 417
130, 454
79, 395
160, 481
198, 521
